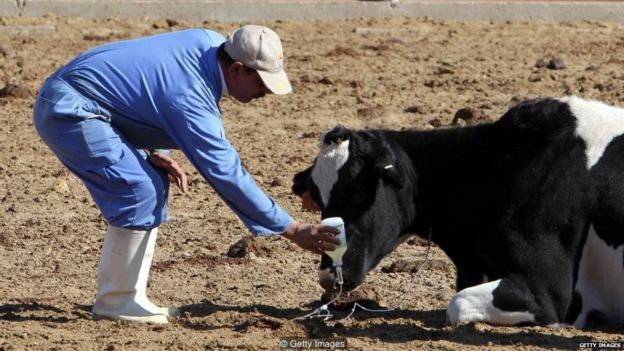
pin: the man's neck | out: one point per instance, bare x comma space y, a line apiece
224, 88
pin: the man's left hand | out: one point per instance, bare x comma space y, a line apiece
176, 173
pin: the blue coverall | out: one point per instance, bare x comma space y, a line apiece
104, 107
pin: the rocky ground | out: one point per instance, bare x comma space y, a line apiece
394, 72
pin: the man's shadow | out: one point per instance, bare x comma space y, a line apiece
34, 311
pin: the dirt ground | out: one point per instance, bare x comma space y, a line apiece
394, 72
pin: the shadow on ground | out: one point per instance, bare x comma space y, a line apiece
33, 311
392, 327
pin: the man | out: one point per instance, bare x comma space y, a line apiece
110, 116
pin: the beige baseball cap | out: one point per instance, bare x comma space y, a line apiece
260, 48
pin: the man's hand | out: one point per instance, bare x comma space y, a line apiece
313, 238
176, 173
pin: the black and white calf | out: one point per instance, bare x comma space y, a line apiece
530, 208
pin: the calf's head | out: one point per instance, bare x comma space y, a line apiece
358, 176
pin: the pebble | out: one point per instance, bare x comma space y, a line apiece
556, 64
413, 109
541, 63
16, 91
326, 81
371, 111
445, 70
436, 122
470, 115
277, 182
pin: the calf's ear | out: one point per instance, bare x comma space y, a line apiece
300, 182
308, 203
385, 166
388, 172
300, 188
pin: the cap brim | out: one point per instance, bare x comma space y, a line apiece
277, 82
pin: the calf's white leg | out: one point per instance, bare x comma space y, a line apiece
477, 304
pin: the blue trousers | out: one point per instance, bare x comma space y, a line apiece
127, 189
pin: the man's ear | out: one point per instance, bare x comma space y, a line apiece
235, 68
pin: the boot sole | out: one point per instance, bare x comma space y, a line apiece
156, 319
171, 311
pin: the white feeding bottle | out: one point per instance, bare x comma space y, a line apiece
336, 255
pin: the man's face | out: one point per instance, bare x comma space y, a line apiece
245, 84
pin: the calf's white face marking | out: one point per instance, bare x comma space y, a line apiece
476, 304
600, 279
328, 162
597, 124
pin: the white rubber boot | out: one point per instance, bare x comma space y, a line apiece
123, 270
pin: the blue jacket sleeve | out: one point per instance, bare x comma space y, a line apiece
195, 124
